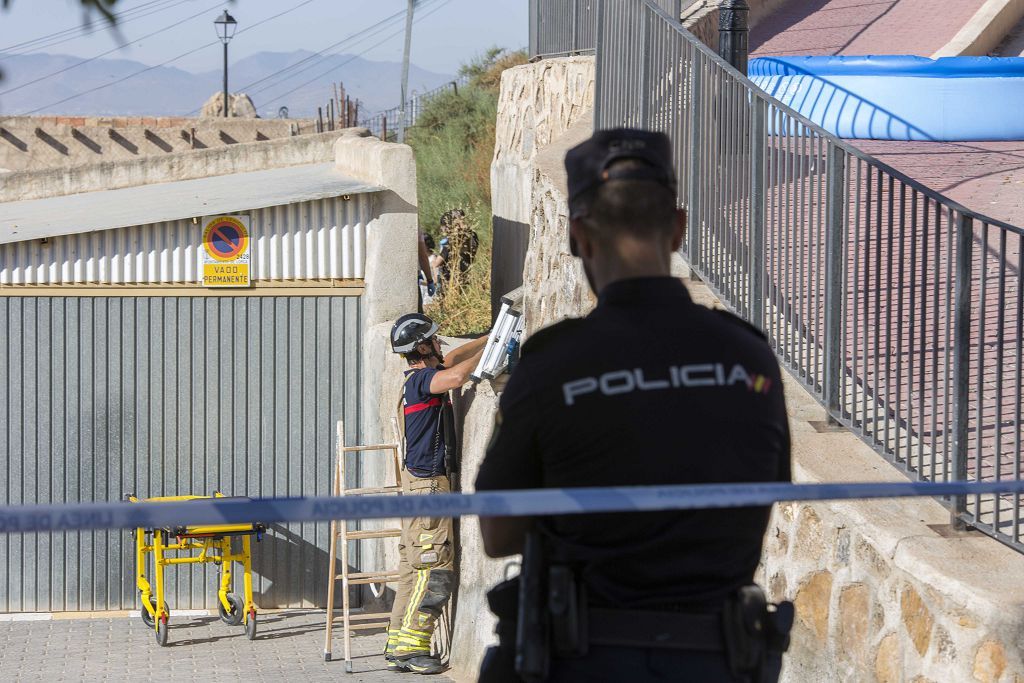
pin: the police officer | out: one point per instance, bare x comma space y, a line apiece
649, 388
425, 549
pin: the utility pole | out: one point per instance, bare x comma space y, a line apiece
405, 69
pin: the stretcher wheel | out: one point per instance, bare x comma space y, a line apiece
235, 616
147, 618
161, 632
250, 626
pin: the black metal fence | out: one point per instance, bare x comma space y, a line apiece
559, 28
899, 309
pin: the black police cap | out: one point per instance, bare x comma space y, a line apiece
587, 164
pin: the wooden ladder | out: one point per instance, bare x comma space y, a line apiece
340, 533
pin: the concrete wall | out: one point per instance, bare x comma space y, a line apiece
391, 291
986, 29
110, 175
39, 142
884, 591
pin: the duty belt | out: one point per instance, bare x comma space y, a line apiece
669, 630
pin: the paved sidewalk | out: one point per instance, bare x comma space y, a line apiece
861, 27
987, 177
288, 646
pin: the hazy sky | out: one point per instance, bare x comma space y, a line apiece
447, 33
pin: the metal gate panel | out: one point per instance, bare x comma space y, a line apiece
166, 396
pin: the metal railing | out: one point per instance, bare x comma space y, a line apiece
559, 28
384, 124
899, 309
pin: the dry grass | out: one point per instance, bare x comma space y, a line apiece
454, 144
465, 307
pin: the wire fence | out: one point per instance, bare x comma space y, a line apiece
384, 124
899, 309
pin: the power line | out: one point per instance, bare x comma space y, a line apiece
274, 16
361, 35
320, 53
88, 31
120, 80
79, 30
157, 66
357, 37
104, 54
359, 54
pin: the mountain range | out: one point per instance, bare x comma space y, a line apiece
169, 91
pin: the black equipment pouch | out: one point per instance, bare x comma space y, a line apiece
778, 626
533, 655
753, 629
567, 606
503, 600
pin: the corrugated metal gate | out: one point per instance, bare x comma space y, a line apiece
165, 396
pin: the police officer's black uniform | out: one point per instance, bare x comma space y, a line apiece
648, 389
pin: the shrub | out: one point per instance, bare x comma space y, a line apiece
454, 141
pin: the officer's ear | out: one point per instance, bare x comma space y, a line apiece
580, 244
679, 231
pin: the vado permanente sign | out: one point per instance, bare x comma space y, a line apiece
225, 253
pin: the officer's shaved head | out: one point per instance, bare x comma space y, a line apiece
641, 208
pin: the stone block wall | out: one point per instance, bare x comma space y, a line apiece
537, 104
543, 108
865, 612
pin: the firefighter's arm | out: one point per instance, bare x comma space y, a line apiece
455, 376
467, 350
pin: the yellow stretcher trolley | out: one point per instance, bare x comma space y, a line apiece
213, 542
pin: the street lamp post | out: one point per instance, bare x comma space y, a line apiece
225, 25
733, 33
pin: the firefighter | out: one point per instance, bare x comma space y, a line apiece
649, 388
426, 555
459, 245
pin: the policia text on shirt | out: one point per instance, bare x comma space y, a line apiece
650, 388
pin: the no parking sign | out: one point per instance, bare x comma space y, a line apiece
225, 254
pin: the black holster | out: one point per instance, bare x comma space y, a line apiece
552, 617
533, 653
756, 633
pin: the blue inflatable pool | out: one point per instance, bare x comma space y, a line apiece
901, 97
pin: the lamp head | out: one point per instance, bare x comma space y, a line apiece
226, 26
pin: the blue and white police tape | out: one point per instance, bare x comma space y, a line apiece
71, 517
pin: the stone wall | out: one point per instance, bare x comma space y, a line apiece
543, 109
538, 103
528, 169
42, 142
885, 591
